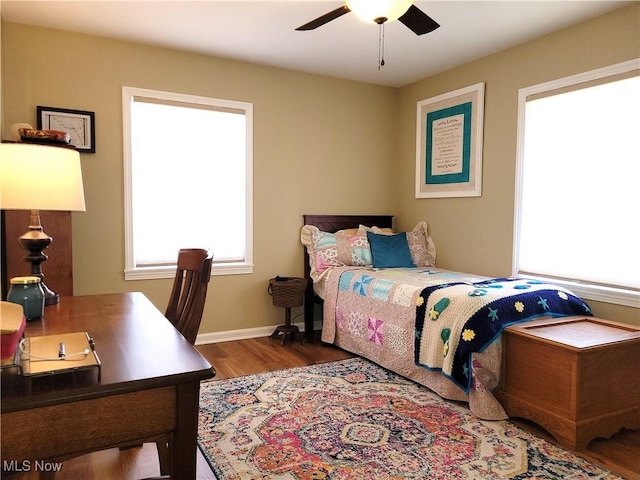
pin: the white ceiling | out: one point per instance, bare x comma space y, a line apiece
263, 31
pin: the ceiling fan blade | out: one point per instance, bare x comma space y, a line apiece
326, 18
418, 21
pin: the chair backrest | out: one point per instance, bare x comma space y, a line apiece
189, 293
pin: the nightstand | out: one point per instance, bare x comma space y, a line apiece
575, 376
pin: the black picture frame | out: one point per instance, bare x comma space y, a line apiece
79, 124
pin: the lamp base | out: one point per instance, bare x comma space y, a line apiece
35, 241
50, 297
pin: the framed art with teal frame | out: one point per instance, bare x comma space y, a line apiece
449, 144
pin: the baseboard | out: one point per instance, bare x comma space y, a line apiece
243, 334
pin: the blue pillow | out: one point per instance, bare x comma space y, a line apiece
390, 251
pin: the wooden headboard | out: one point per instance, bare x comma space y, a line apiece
331, 224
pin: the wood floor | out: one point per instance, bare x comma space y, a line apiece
620, 454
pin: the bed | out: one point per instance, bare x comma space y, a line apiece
384, 299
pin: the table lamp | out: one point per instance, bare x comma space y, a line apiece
39, 177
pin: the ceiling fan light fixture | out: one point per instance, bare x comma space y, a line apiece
379, 11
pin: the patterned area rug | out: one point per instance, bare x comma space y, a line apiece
352, 419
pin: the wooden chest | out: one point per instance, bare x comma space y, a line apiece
578, 377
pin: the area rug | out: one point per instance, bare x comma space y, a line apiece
352, 419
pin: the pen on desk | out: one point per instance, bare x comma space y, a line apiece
61, 351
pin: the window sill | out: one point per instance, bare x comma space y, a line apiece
599, 293
152, 273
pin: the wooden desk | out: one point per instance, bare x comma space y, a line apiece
148, 390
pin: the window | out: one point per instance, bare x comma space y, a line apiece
578, 196
188, 181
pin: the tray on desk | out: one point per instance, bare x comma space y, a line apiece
41, 355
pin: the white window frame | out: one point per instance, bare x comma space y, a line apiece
619, 296
133, 272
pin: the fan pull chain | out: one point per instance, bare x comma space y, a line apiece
381, 45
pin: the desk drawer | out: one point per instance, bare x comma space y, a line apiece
78, 427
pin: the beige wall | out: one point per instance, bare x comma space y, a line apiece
475, 234
321, 145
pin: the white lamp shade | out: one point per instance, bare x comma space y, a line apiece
370, 10
40, 177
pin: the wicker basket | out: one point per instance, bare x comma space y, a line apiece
287, 293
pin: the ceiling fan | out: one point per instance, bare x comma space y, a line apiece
380, 12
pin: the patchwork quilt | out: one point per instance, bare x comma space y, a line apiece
437, 327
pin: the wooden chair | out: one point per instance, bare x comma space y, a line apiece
185, 308
184, 311
186, 303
